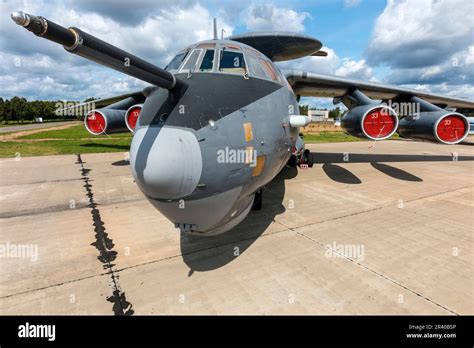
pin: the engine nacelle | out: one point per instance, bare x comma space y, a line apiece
131, 116
437, 126
471, 124
105, 121
372, 121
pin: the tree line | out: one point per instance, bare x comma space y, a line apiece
19, 109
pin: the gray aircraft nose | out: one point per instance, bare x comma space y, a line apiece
166, 162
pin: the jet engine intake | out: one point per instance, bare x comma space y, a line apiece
434, 124
131, 116
105, 121
368, 119
437, 126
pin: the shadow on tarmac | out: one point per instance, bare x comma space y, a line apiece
208, 253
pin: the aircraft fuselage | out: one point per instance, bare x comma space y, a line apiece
200, 155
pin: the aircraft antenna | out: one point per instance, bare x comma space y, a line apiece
215, 29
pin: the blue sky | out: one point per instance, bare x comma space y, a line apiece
345, 29
424, 44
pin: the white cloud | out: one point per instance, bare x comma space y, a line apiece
464, 91
36, 68
357, 69
322, 65
427, 44
458, 69
319, 103
267, 16
351, 3
39, 77
421, 33
332, 65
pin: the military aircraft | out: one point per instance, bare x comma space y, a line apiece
220, 121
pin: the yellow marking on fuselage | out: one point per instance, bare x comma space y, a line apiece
248, 131
257, 170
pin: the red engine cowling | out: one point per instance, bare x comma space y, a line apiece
132, 115
376, 122
105, 121
438, 126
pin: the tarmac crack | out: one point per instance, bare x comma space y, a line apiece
116, 271
104, 245
121, 306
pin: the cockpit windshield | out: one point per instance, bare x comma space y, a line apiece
225, 58
207, 63
192, 60
176, 62
232, 62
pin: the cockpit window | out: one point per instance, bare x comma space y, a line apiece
252, 52
269, 69
176, 61
191, 62
208, 61
233, 47
232, 62
207, 45
255, 67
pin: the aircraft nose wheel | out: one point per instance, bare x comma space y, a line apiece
305, 160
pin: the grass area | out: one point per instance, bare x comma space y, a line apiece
333, 137
329, 137
75, 132
75, 139
63, 147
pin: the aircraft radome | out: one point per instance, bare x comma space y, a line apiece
221, 121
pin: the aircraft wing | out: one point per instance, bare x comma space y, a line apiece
309, 84
81, 109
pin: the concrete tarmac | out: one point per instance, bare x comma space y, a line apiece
383, 228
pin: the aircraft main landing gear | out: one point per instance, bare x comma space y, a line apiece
307, 158
302, 160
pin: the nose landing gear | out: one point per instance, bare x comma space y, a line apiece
302, 160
